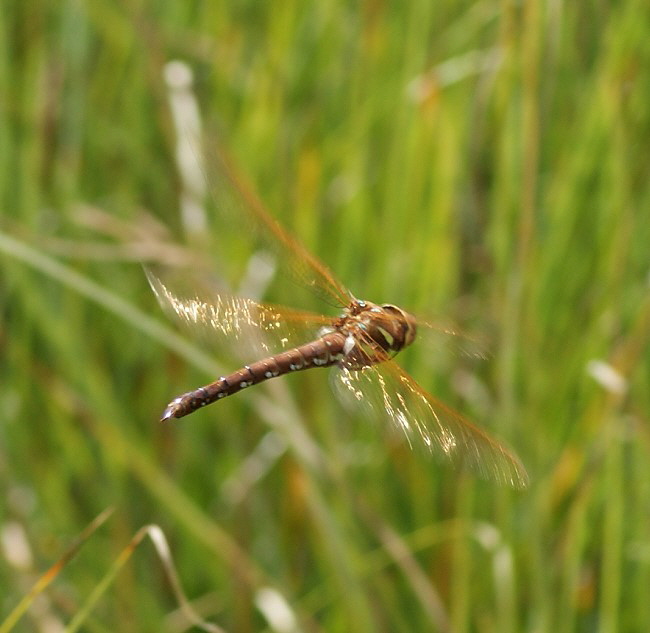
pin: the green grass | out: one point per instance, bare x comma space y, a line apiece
484, 162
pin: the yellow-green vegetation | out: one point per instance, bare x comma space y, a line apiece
483, 162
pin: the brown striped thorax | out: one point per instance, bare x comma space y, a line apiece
373, 332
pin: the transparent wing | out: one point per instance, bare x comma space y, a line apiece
444, 336
386, 390
221, 319
242, 211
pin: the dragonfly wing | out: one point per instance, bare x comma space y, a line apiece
439, 336
240, 209
386, 390
219, 318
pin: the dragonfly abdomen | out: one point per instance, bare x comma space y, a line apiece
323, 352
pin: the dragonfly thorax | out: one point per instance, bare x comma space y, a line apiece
374, 333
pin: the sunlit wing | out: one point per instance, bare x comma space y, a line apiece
221, 319
240, 207
386, 390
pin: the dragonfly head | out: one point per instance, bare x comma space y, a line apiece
402, 326
407, 322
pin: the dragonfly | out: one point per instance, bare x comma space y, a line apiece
360, 344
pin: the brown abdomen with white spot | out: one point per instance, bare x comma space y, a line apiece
323, 352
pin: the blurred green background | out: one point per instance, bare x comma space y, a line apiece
483, 161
